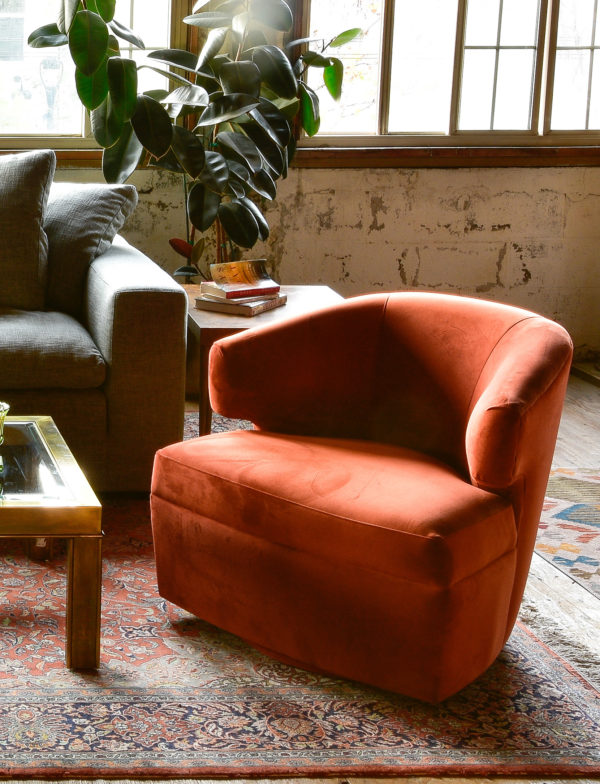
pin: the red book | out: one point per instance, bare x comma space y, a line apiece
238, 279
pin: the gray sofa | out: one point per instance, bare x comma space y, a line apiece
92, 332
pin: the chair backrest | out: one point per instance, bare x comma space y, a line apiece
478, 384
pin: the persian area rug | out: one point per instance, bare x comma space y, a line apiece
569, 531
177, 698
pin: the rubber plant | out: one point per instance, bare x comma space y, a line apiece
230, 121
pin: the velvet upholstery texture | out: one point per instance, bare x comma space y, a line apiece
379, 521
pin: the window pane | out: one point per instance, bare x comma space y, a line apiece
594, 120
357, 111
519, 23
514, 90
151, 20
482, 22
477, 90
37, 88
569, 102
422, 64
575, 23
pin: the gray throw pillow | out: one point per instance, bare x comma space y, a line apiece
25, 180
82, 220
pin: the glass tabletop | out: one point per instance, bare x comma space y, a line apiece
28, 470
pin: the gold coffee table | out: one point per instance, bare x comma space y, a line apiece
44, 494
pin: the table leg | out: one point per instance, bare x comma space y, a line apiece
204, 409
84, 584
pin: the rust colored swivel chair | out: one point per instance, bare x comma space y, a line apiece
379, 521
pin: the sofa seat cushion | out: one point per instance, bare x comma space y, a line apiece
47, 350
389, 509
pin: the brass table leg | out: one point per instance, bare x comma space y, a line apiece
84, 583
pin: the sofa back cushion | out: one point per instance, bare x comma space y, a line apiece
82, 220
25, 180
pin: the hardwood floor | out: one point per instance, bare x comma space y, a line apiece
578, 442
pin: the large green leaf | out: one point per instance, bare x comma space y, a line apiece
239, 173
227, 107
263, 226
239, 24
200, 4
315, 59
214, 41
263, 183
152, 125
270, 151
215, 173
333, 77
203, 206
272, 121
106, 126
122, 84
92, 90
66, 14
47, 35
188, 95
88, 41
273, 13
230, 6
179, 58
239, 223
126, 34
188, 150
106, 9
168, 161
241, 147
121, 160
276, 70
309, 108
209, 19
240, 77
346, 36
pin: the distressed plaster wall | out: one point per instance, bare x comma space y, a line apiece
529, 237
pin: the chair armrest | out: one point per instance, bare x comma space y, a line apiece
137, 316
311, 374
517, 404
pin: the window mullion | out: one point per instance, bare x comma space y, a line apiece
458, 65
550, 56
385, 66
496, 65
541, 60
591, 68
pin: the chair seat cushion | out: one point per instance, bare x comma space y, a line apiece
386, 508
41, 349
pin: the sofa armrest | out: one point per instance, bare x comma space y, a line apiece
137, 315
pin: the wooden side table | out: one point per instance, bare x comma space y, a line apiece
208, 326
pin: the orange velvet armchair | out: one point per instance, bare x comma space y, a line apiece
379, 521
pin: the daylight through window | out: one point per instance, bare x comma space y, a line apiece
462, 72
38, 100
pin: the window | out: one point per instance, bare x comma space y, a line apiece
462, 73
38, 100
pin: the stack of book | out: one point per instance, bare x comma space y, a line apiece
240, 287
